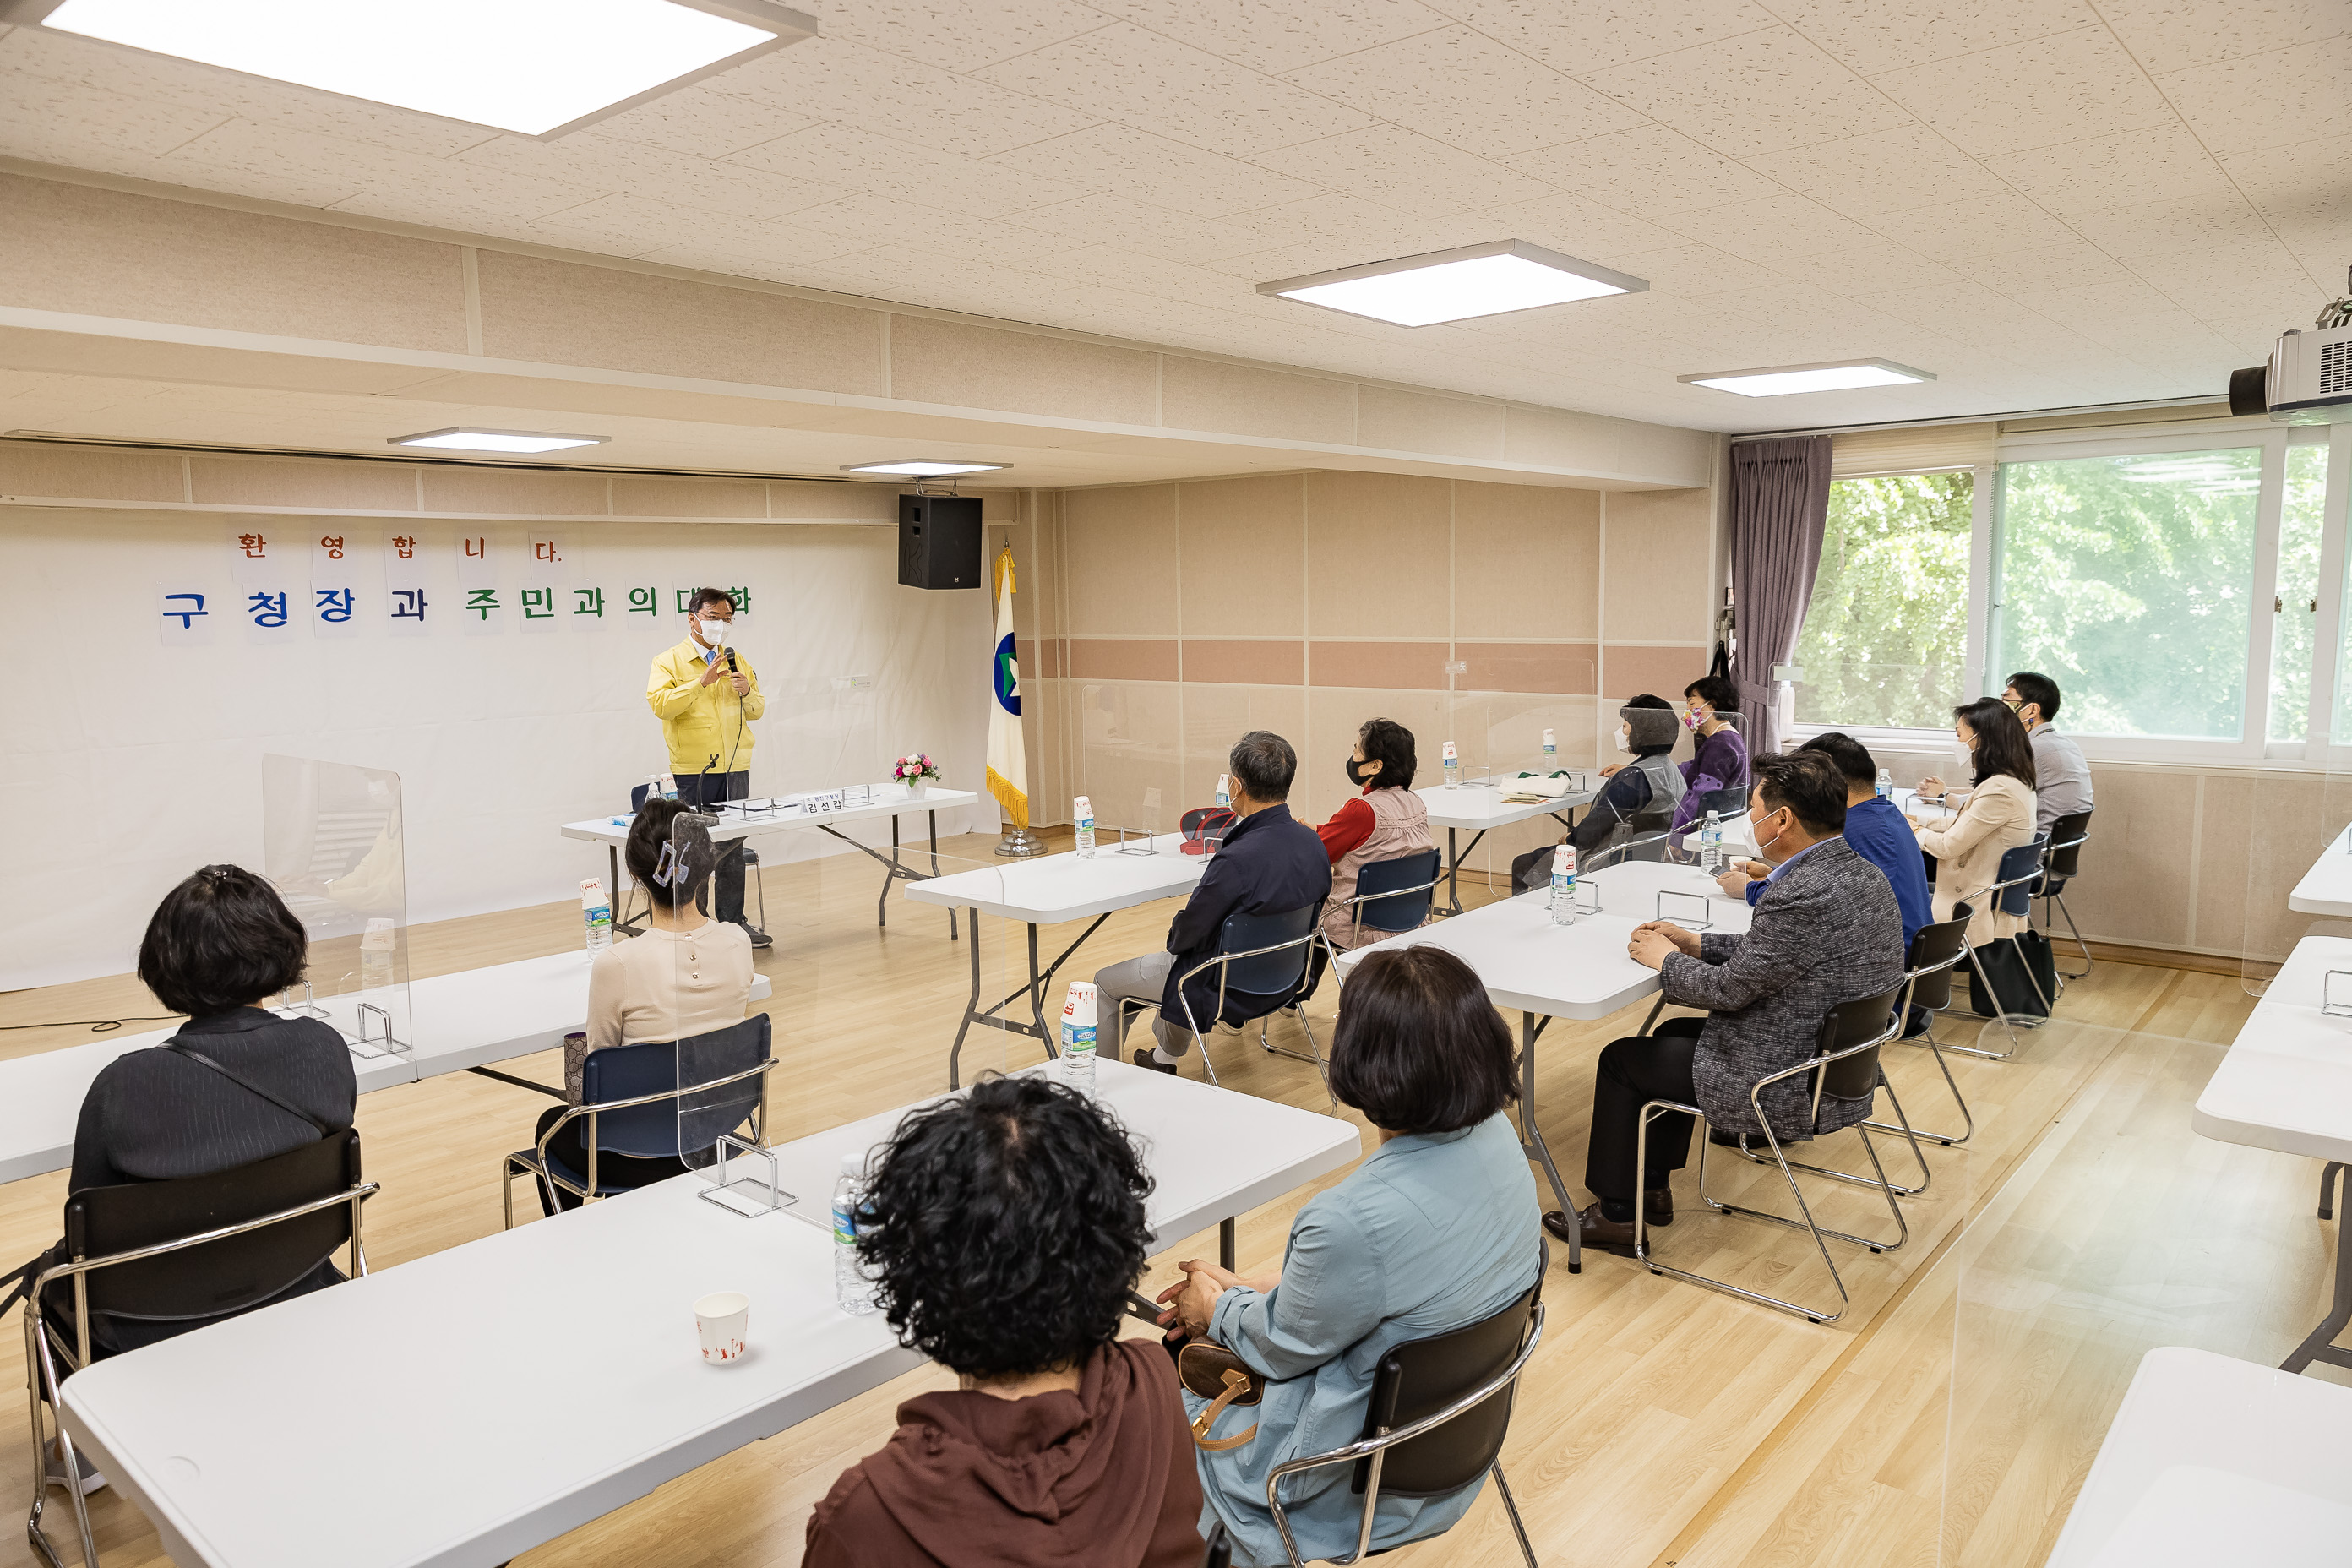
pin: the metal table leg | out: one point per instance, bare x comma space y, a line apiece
612, 868
995, 1017
894, 869
1531, 1138
1453, 868
2321, 1343
1225, 1245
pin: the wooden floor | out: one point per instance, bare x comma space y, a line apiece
1661, 1423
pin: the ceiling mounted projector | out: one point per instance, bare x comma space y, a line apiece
2309, 378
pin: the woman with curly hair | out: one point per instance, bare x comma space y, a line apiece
1005, 1226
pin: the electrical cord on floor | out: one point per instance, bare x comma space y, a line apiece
97, 1026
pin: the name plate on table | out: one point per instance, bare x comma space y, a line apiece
823, 801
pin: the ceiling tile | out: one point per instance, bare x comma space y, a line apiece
2036, 94
2025, 275
2257, 277
1651, 172
1154, 169
833, 78
1772, 230
1580, 38
1873, 266
1578, 227
871, 220
1874, 36
591, 159
1691, 269
1986, 226
2297, 94
1761, 92
2106, 170
246, 159
1272, 36
449, 194
2297, 183
47, 120
2171, 34
846, 156
1157, 84
957, 35
702, 121
1343, 230
1464, 88
1401, 169
2162, 227
1887, 170
640, 223
1105, 218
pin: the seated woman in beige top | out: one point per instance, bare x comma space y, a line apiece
1998, 817
685, 976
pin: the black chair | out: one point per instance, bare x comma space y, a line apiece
1261, 956
2060, 866
1844, 1065
1219, 1552
1936, 950
750, 863
629, 1098
191, 1251
1729, 802
1393, 896
2011, 893
1440, 1409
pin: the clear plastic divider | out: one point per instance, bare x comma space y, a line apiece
2298, 860
332, 846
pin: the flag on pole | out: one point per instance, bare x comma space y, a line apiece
1008, 761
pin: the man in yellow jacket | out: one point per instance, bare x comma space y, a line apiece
706, 696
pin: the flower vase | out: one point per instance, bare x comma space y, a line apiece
914, 788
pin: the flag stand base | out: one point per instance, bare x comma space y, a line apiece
1020, 843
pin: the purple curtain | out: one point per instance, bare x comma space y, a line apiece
1780, 501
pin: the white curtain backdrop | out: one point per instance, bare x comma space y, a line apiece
130, 754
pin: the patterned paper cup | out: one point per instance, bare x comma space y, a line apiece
721, 1321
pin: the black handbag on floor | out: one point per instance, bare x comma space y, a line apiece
2008, 963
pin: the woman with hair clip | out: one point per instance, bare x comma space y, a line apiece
1997, 818
685, 976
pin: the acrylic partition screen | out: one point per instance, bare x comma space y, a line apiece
2298, 873
1487, 820
331, 836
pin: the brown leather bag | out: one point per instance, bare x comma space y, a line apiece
1223, 1379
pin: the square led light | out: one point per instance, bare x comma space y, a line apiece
1457, 285
462, 438
536, 68
924, 468
1831, 375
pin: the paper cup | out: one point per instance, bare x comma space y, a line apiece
721, 1321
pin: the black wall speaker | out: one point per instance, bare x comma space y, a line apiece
938, 541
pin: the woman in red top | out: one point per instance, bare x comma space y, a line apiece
1384, 821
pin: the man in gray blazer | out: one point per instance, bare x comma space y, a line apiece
1825, 930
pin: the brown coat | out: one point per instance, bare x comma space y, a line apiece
1101, 1477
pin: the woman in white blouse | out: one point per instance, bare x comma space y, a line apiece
1997, 818
685, 976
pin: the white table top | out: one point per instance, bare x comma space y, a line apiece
2286, 1081
1482, 805
2213, 1461
1051, 888
2327, 888
892, 801
488, 1398
1580, 970
470, 1019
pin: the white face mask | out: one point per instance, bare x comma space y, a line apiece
714, 631
1764, 846
1624, 739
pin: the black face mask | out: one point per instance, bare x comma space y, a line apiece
1355, 772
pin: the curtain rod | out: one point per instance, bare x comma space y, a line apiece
1985, 418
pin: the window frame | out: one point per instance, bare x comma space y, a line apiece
2251, 745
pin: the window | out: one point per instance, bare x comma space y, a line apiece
2296, 604
1885, 639
2129, 580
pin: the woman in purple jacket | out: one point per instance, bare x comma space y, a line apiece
1719, 757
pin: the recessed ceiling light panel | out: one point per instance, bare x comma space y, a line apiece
1457, 285
536, 68
924, 468
1829, 375
464, 438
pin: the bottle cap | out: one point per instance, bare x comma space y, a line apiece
1563, 860
591, 889
1549, 742
854, 1165
1081, 806
1078, 1006
1449, 753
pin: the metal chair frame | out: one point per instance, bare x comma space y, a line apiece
1818, 1065
2052, 896
1610, 854
1356, 903
43, 1349
2009, 1021
1375, 1449
533, 1161
1910, 987
1296, 1009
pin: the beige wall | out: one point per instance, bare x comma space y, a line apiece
1173, 617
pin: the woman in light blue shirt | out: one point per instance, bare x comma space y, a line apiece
1437, 1228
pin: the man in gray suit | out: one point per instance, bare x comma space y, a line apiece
1825, 930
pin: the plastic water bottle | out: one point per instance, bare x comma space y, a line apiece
1224, 789
1710, 843
1085, 810
1551, 750
597, 914
1079, 1037
1452, 767
1563, 885
853, 1287
376, 949
1885, 785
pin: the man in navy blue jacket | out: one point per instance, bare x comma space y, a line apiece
1270, 864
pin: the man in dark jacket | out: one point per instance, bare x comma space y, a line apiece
1270, 864
1825, 930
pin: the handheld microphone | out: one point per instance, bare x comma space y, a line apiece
732, 669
